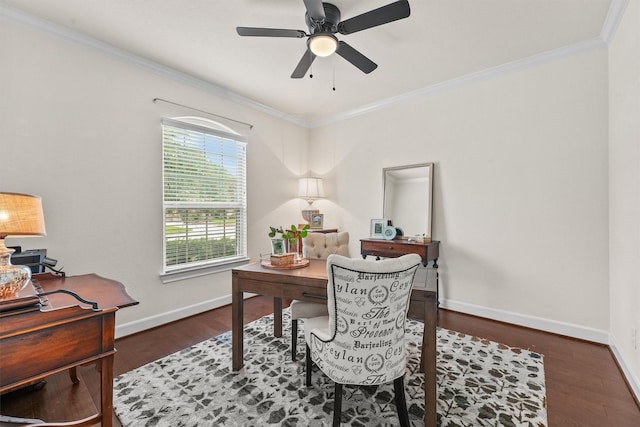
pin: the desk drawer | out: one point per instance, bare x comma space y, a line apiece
34, 354
305, 293
390, 249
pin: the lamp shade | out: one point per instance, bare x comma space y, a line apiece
21, 215
310, 189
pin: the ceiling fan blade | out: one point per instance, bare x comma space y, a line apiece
382, 15
269, 32
315, 9
303, 65
356, 58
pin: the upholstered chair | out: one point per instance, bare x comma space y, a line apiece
315, 246
361, 341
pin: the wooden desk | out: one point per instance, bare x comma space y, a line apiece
64, 334
310, 284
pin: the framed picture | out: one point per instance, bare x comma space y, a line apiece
277, 246
377, 226
317, 221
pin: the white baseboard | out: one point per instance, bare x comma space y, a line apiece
560, 328
171, 316
632, 379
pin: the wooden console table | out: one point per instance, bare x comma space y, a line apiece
62, 334
397, 247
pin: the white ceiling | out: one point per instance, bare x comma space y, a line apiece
441, 40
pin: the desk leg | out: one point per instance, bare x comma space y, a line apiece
435, 266
106, 385
277, 317
429, 362
73, 375
237, 326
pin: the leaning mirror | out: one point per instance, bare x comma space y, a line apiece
408, 199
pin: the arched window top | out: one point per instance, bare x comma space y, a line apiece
206, 123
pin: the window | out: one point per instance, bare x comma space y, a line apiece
204, 195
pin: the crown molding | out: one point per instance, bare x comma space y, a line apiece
609, 27
143, 63
614, 15
519, 65
612, 21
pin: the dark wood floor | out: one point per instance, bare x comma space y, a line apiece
584, 385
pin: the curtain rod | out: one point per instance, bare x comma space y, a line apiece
202, 111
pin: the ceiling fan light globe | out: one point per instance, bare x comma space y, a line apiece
323, 45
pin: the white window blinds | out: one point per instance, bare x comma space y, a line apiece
204, 196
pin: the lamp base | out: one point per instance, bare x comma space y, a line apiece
13, 278
307, 214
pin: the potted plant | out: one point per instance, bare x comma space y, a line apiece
288, 240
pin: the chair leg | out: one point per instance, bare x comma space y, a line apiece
401, 402
337, 405
308, 366
294, 338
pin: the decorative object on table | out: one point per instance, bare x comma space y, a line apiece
292, 265
317, 221
418, 239
22, 302
389, 232
289, 241
377, 227
310, 189
480, 382
20, 215
308, 214
277, 246
283, 259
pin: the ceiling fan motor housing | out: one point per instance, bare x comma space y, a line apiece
329, 24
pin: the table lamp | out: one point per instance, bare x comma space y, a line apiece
20, 215
310, 189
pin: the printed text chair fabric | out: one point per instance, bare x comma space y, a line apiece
361, 341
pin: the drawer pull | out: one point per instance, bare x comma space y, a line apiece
308, 295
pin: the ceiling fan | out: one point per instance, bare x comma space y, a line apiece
323, 21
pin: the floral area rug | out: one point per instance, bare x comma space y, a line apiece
479, 383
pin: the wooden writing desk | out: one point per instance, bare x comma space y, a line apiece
310, 284
62, 335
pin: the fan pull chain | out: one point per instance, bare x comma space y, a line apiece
334, 79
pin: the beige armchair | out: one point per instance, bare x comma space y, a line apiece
315, 246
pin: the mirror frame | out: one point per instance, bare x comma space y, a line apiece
429, 191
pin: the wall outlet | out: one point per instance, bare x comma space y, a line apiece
634, 338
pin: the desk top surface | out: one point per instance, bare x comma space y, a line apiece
106, 293
316, 271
